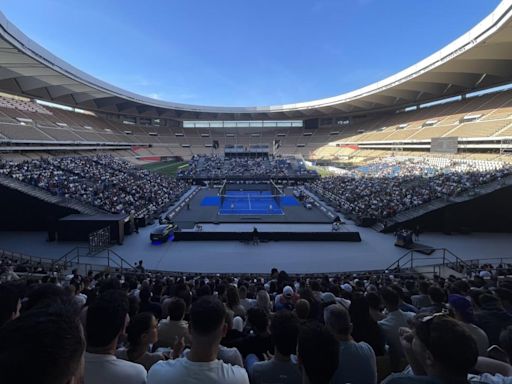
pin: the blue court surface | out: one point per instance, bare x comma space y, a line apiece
249, 202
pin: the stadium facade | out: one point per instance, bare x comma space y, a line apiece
478, 60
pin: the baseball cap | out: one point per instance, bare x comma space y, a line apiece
346, 287
288, 291
328, 298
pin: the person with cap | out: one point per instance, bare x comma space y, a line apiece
357, 361
462, 310
286, 300
346, 293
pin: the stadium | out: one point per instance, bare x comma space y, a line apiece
393, 197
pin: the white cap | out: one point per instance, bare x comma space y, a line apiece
346, 287
288, 291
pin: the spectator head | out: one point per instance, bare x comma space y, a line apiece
258, 320
444, 347
374, 301
359, 310
506, 341
505, 296
10, 303
327, 299
489, 302
145, 295
317, 353
423, 287
51, 338
302, 309
109, 284
315, 285
106, 320
284, 330
142, 330
337, 320
176, 309
46, 294
204, 290
263, 301
242, 292
398, 290
207, 320
346, 288
232, 297
462, 308
229, 319
436, 294
391, 299
288, 292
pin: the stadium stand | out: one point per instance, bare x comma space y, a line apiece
385, 187
363, 310
103, 181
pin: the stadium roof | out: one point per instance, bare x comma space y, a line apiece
479, 59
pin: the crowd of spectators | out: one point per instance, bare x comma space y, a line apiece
387, 187
220, 167
103, 181
152, 328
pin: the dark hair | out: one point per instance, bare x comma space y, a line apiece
204, 290
139, 325
145, 295
423, 287
258, 319
318, 350
436, 294
503, 294
46, 294
176, 309
109, 284
373, 300
106, 318
506, 340
449, 343
390, 297
359, 310
302, 308
207, 315
51, 337
232, 296
9, 299
284, 329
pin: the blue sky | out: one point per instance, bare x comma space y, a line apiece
242, 52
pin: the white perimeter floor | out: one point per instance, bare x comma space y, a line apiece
376, 251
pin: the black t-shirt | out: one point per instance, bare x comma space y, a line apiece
256, 344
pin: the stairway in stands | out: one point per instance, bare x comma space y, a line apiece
48, 197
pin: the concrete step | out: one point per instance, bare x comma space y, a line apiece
441, 270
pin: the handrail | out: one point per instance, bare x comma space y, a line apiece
111, 257
407, 259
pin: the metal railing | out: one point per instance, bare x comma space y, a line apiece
415, 258
82, 256
16, 256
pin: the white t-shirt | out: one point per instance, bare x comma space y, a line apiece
184, 371
102, 369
